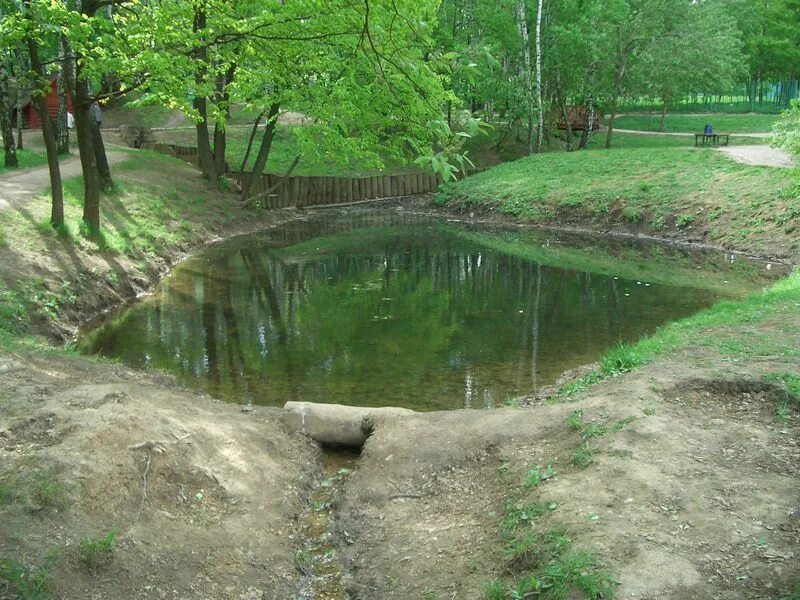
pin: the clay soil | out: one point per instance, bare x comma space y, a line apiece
695, 497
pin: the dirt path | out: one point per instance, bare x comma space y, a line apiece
18, 187
760, 156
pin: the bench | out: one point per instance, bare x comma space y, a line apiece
710, 139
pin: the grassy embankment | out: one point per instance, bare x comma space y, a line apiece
160, 209
698, 194
682, 123
27, 160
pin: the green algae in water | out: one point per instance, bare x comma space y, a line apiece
388, 309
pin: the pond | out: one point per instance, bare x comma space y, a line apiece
384, 308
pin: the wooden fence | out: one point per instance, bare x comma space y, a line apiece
187, 153
319, 191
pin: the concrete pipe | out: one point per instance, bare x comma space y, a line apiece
337, 424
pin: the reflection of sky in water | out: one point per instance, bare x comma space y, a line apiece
422, 316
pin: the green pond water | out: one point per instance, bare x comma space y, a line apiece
380, 308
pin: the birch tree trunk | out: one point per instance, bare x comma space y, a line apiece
62, 131
21, 69
522, 23
539, 103
9, 148
618, 75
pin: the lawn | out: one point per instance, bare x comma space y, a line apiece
747, 123
27, 160
681, 188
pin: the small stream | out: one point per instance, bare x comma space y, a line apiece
385, 308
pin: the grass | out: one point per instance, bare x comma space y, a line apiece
583, 456
541, 551
659, 187
28, 159
158, 207
682, 123
790, 394
25, 583
97, 552
47, 490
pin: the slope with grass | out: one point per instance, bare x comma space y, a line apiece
688, 123
51, 281
695, 195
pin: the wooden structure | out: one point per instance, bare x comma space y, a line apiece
710, 139
187, 153
577, 116
304, 191
30, 116
137, 137
301, 191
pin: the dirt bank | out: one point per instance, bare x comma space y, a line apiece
680, 478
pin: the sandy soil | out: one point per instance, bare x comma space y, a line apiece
761, 156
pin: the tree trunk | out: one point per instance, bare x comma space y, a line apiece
250, 140
562, 104
91, 177
100, 158
205, 154
62, 131
57, 207
263, 151
618, 75
522, 24
588, 128
539, 103
9, 148
222, 96
20, 70
662, 123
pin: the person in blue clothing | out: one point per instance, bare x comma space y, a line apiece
708, 129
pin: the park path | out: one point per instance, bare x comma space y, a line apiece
19, 187
761, 156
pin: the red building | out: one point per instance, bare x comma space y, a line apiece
30, 116
578, 115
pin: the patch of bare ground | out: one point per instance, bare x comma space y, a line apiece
203, 497
691, 493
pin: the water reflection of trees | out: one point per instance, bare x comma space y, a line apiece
422, 316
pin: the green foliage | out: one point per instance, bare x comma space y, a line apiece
684, 220
621, 358
47, 490
794, 594
575, 420
25, 583
494, 590
583, 456
790, 394
632, 214
536, 475
97, 552
787, 131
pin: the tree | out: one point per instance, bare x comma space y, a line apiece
787, 131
